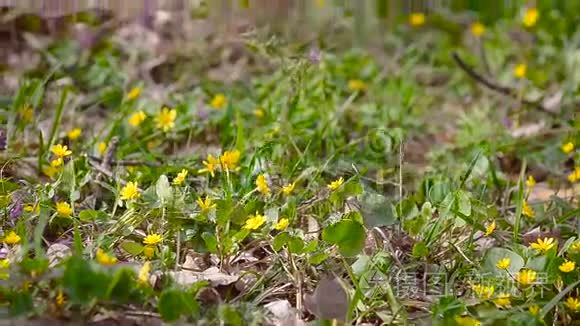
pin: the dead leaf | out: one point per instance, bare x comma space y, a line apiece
281, 309
528, 130
212, 274
553, 102
194, 261
329, 300
542, 192
57, 252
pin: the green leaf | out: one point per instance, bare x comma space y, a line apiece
174, 303
82, 282
420, 249
68, 178
295, 245
210, 242
20, 303
318, 258
229, 315
495, 254
131, 247
163, 189
89, 215
280, 240
348, 235
463, 200
121, 285
377, 210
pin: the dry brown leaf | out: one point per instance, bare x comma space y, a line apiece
57, 252
543, 192
329, 300
212, 274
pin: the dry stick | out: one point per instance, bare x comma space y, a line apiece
105, 168
125, 162
507, 91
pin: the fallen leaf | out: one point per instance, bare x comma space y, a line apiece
57, 252
212, 274
281, 309
329, 300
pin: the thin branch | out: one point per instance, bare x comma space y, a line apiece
125, 162
494, 86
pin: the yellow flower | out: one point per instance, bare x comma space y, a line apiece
575, 175
50, 171
211, 164
262, 185
530, 17
12, 238
502, 300
357, 85
63, 209
32, 209
490, 228
130, 191
102, 147
166, 119
477, 29
534, 310
56, 163
26, 113
567, 266
205, 205
417, 19
568, 147
287, 189
573, 304
482, 291
520, 70
527, 210
4, 266
335, 184
60, 150
542, 246
503, 263
530, 182
218, 101
144, 273
259, 113
180, 178
254, 222
137, 118
149, 251
152, 239
105, 259
230, 159
526, 276
134, 93
320, 3
575, 246
282, 224
467, 321
74, 134
59, 299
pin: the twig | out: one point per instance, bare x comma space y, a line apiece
110, 153
125, 162
494, 86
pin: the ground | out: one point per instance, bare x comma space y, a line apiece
417, 168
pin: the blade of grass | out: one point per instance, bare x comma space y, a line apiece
469, 170
520, 202
550, 305
57, 117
